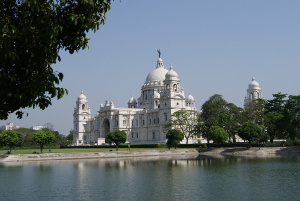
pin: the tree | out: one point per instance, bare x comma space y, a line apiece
250, 132
274, 116
218, 112
26, 134
231, 119
217, 135
31, 35
174, 136
184, 120
254, 112
10, 138
70, 136
292, 117
49, 126
117, 137
43, 137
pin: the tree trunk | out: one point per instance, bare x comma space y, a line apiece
117, 146
42, 145
272, 138
187, 140
10, 149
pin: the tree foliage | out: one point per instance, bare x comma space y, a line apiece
174, 136
32, 32
292, 117
250, 132
218, 135
10, 138
254, 112
117, 137
42, 137
274, 116
184, 120
70, 136
27, 135
218, 112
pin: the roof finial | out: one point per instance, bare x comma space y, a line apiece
159, 53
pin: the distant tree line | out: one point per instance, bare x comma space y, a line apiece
26, 137
260, 121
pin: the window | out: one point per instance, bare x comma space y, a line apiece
124, 122
132, 123
84, 137
83, 106
153, 135
175, 87
137, 135
131, 135
143, 122
166, 116
149, 121
157, 120
153, 121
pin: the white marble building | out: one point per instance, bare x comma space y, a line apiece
253, 92
9, 126
143, 120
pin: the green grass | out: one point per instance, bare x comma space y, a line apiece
74, 150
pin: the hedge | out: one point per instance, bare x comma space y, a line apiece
156, 145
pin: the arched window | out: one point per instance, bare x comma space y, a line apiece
83, 106
175, 87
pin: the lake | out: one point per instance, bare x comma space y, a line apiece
168, 178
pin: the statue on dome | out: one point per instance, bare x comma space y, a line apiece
159, 53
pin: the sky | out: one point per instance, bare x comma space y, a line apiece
215, 46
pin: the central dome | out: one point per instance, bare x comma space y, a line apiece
157, 74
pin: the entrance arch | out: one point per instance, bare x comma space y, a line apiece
106, 126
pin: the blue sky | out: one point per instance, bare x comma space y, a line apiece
215, 46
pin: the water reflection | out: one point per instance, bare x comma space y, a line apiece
153, 178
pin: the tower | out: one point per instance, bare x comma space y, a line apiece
253, 92
81, 116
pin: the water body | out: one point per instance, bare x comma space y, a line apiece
202, 178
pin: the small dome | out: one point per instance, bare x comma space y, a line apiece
190, 99
156, 95
253, 84
131, 100
81, 96
171, 74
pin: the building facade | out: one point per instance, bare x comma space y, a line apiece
37, 127
143, 120
9, 126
